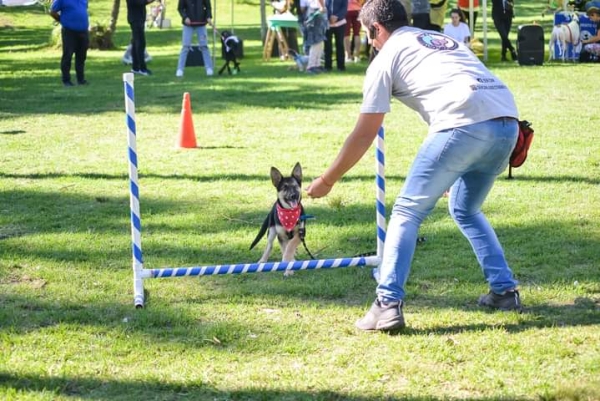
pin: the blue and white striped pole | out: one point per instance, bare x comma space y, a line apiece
380, 203
380, 188
134, 193
261, 267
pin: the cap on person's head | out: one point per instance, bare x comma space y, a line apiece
592, 7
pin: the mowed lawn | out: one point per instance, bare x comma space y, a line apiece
68, 327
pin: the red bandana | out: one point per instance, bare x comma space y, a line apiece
288, 217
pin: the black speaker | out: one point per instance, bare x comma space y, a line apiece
194, 57
530, 45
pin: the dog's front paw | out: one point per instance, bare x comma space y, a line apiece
288, 273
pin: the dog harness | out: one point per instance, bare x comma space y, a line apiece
288, 217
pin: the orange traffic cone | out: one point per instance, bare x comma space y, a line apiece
187, 136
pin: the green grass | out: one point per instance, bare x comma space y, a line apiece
68, 328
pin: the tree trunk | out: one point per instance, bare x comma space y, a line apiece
114, 16
263, 20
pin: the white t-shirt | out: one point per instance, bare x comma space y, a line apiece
440, 79
458, 33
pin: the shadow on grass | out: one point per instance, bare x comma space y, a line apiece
184, 321
109, 215
261, 84
582, 312
88, 388
562, 250
268, 89
262, 177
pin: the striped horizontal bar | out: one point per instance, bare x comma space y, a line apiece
260, 267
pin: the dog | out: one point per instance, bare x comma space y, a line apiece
284, 221
562, 35
301, 61
230, 45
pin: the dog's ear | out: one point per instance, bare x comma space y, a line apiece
297, 173
276, 177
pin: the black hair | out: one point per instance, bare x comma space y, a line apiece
388, 13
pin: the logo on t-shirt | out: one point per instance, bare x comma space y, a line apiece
434, 41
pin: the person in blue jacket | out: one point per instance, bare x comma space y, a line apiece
72, 15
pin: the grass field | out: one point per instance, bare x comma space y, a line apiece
68, 328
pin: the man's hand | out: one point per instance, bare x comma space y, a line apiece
318, 188
210, 23
187, 21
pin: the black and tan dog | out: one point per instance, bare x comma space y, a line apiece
284, 221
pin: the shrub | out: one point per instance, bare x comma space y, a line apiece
101, 37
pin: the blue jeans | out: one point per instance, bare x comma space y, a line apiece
186, 42
467, 160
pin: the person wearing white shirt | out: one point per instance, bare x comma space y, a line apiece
473, 128
457, 29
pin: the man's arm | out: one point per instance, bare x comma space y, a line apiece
181, 9
592, 39
55, 15
355, 146
208, 11
54, 10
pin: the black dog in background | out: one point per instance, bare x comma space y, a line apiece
230, 45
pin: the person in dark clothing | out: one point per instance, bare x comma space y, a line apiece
195, 15
420, 14
503, 14
136, 17
72, 15
336, 12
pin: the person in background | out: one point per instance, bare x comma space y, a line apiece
298, 9
464, 7
336, 12
136, 17
420, 14
502, 14
352, 33
473, 128
437, 14
315, 21
195, 15
457, 29
73, 17
591, 46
